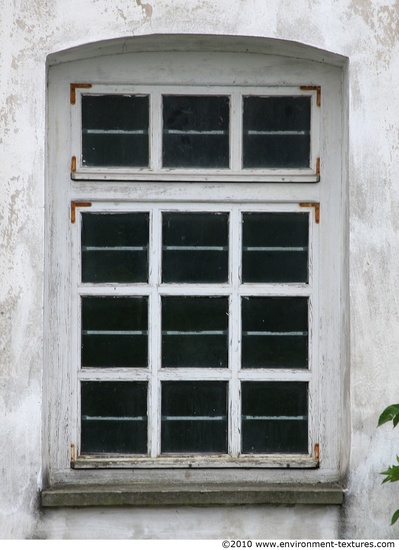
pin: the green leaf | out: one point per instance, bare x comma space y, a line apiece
395, 517
390, 413
392, 474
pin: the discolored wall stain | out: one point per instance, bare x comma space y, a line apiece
147, 9
383, 20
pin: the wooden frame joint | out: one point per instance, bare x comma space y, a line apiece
75, 205
316, 206
73, 87
317, 89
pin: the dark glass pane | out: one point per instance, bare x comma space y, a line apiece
274, 417
194, 332
114, 417
275, 247
194, 417
115, 130
275, 333
195, 132
195, 247
114, 331
115, 248
276, 132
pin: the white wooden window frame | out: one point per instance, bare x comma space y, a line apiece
155, 374
235, 172
324, 193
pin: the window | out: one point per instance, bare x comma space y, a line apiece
245, 134
196, 338
195, 268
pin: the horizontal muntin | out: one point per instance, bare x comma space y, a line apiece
196, 248
270, 333
115, 418
114, 248
170, 418
114, 332
250, 417
100, 131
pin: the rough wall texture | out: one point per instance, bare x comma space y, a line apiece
366, 31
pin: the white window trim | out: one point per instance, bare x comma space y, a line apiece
260, 70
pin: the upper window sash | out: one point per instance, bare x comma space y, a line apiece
255, 134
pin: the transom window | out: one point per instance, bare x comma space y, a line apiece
263, 132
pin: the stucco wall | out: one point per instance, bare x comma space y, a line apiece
366, 32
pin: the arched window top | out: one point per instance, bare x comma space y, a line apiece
198, 43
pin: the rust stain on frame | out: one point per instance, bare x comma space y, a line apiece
73, 164
316, 206
317, 89
318, 166
73, 90
74, 206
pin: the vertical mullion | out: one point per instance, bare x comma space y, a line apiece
234, 332
236, 132
156, 131
154, 334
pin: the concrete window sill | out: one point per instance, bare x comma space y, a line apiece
191, 495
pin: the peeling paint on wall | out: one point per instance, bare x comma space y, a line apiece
383, 20
147, 9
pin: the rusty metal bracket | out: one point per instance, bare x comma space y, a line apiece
73, 457
75, 205
316, 206
73, 90
318, 166
317, 89
73, 164
317, 451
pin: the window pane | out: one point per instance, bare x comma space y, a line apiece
274, 417
194, 417
195, 247
115, 130
275, 333
194, 332
115, 248
114, 331
275, 247
114, 417
195, 132
276, 132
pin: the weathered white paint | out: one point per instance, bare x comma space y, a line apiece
171, 62
366, 32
